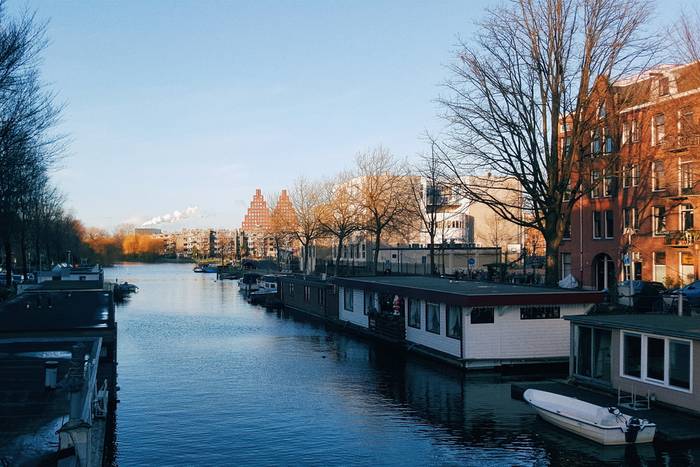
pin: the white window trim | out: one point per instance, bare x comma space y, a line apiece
644, 378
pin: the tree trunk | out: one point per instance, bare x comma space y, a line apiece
432, 254
8, 262
306, 258
377, 238
338, 255
552, 243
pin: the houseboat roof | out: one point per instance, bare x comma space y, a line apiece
470, 293
667, 325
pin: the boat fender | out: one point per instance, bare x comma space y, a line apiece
633, 428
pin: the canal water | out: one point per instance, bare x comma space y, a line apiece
207, 379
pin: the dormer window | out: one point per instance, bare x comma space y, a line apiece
663, 86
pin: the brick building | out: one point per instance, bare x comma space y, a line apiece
639, 216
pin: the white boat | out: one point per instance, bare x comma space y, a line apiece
604, 425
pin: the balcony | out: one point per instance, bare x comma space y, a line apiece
682, 238
680, 142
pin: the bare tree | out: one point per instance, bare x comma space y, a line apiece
340, 213
687, 36
383, 194
536, 71
306, 200
282, 224
432, 201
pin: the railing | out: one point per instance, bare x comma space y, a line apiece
682, 238
680, 142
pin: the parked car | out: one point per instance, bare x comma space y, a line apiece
647, 296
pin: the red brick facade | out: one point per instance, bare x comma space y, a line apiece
649, 192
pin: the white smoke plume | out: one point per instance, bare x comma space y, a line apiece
172, 217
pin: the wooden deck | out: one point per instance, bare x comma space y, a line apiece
672, 426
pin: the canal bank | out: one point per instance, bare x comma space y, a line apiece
208, 379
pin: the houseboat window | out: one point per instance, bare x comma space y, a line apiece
454, 321
632, 355
679, 364
583, 362
540, 312
291, 289
482, 315
347, 299
602, 340
369, 305
655, 358
321, 297
414, 313
432, 318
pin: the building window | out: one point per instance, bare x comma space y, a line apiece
659, 266
630, 175
630, 218
632, 355
609, 146
454, 321
567, 146
565, 263
307, 294
540, 312
663, 86
567, 231
595, 142
609, 224
595, 184
432, 318
347, 299
601, 110
481, 315
634, 131
659, 220
414, 313
687, 181
658, 181
608, 183
686, 122
625, 132
679, 364
687, 217
597, 224
658, 129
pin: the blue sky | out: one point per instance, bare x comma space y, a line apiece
196, 103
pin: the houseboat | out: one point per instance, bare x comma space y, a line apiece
267, 290
649, 357
469, 323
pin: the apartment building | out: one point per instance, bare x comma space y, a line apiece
639, 218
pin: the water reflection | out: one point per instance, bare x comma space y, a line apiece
208, 379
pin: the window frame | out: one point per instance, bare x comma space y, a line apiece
351, 294
644, 378
523, 309
410, 314
450, 309
655, 232
490, 309
428, 326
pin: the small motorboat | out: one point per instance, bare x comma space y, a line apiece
205, 268
604, 425
127, 288
249, 282
267, 288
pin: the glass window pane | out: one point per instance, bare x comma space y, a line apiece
414, 313
482, 315
454, 321
601, 354
655, 358
679, 364
632, 359
432, 318
583, 363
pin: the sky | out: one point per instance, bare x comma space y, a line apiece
195, 104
